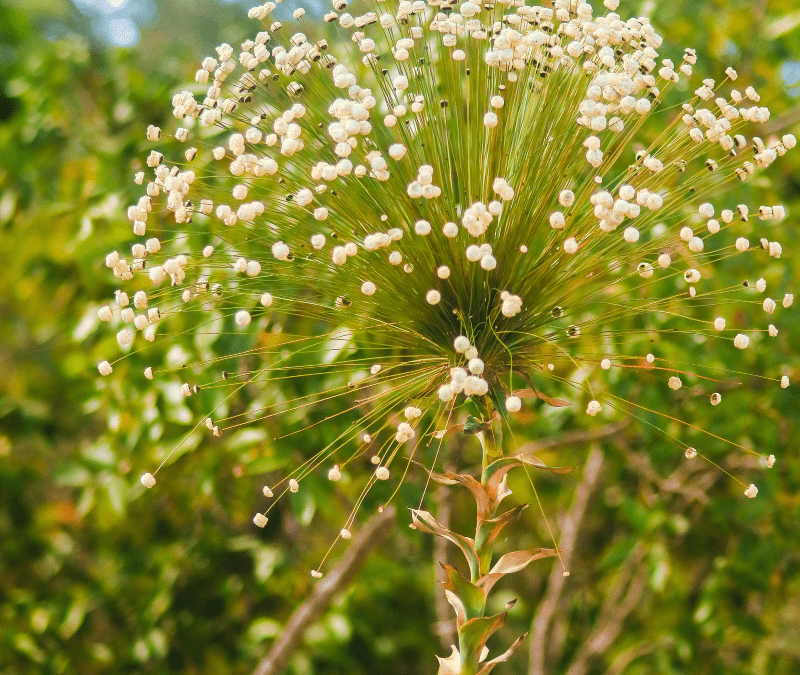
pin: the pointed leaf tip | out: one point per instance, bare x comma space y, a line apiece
450, 665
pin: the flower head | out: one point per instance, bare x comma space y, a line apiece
468, 203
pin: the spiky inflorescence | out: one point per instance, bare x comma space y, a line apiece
464, 197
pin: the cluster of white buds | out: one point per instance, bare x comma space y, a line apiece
512, 304
405, 432
423, 186
478, 217
483, 255
501, 187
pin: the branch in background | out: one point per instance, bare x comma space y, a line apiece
573, 438
629, 655
366, 541
622, 598
569, 537
678, 482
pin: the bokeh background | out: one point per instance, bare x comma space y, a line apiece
672, 570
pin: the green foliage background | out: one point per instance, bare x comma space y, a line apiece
96, 577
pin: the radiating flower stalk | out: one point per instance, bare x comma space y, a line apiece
448, 209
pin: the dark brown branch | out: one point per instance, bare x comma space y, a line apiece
366, 541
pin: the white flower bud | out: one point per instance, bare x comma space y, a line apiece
488, 262
474, 253
741, 341
631, 235
148, 480
461, 344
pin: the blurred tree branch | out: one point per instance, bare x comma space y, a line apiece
569, 536
573, 437
341, 576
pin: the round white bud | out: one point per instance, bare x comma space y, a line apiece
461, 344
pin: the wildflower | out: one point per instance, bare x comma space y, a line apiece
559, 248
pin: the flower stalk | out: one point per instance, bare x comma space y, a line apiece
469, 597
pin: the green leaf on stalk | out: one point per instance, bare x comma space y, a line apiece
494, 473
425, 522
467, 599
488, 530
485, 507
473, 425
472, 636
512, 562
